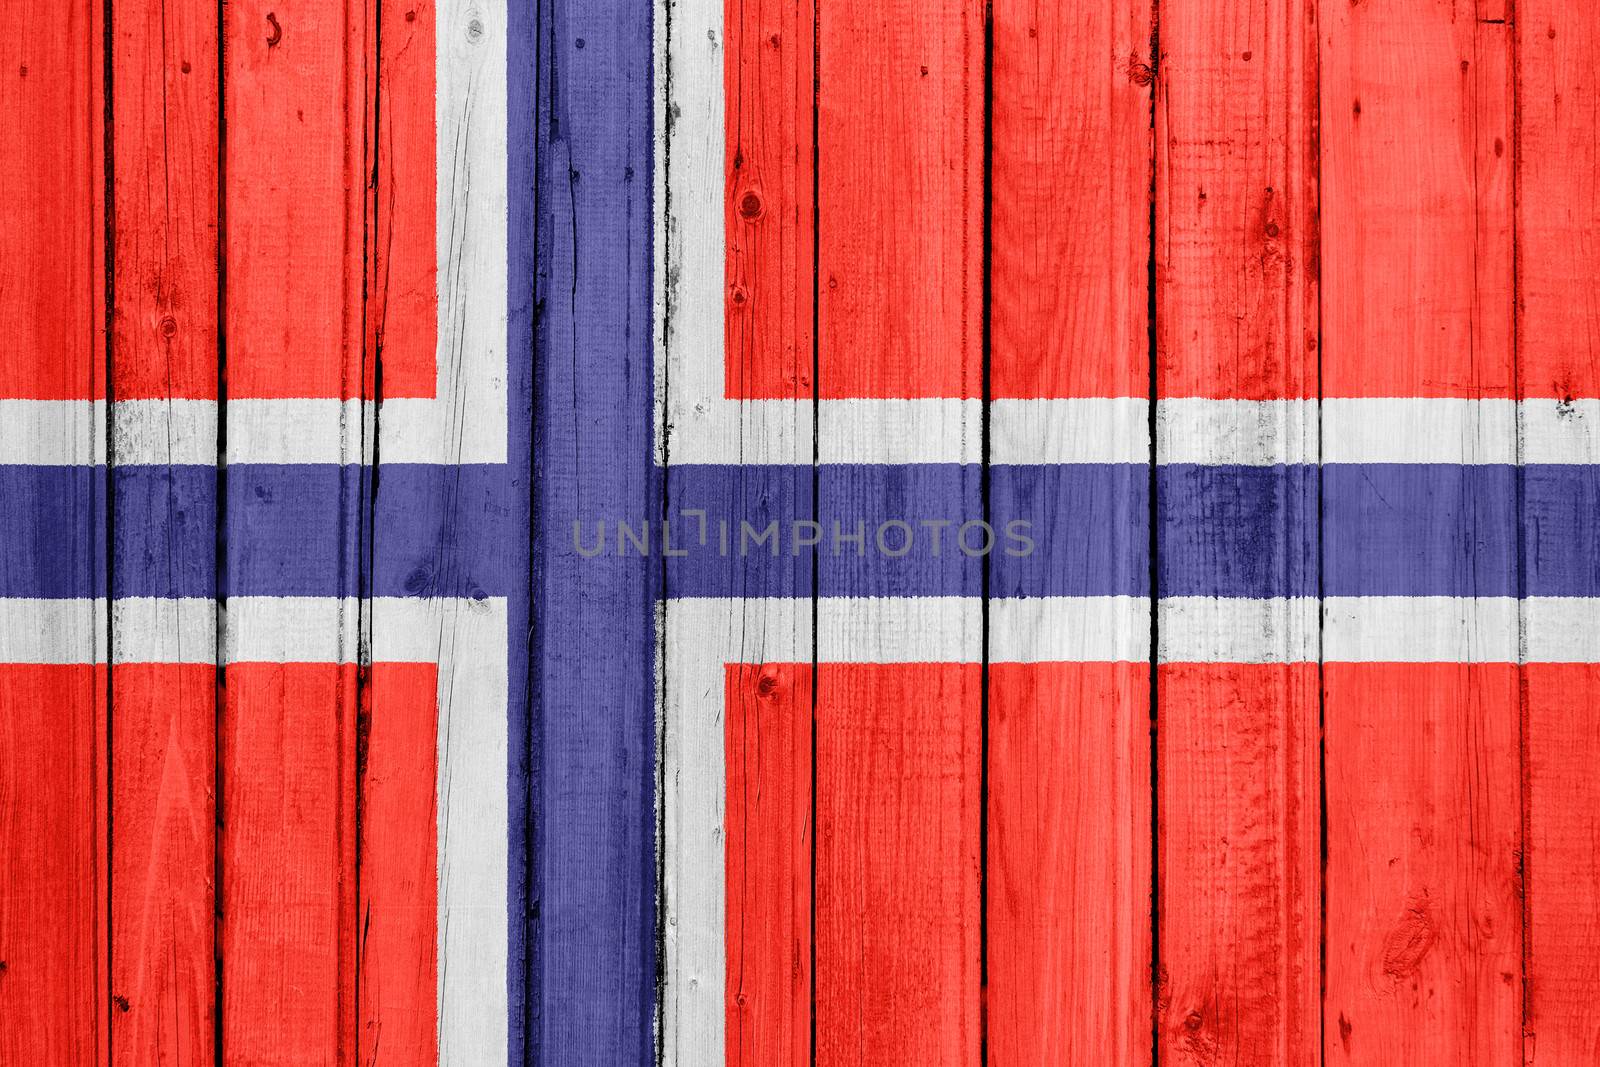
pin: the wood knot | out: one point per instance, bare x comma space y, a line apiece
739, 295
766, 685
277, 31
1410, 940
169, 326
1140, 72
121, 1002
750, 206
475, 31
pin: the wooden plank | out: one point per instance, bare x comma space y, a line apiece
900, 187
296, 169
164, 381
1068, 863
734, 383
288, 864
1238, 847
1423, 920
768, 866
399, 952
54, 996
1068, 859
593, 864
898, 759
898, 754
52, 820
1557, 384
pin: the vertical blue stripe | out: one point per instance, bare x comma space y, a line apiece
594, 646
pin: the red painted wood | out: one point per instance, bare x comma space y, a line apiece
399, 868
166, 142
900, 186
1416, 213
53, 995
1424, 957
297, 168
288, 848
52, 277
1562, 865
1069, 864
1423, 917
163, 803
163, 962
768, 828
1070, 177
1239, 854
1236, 245
768, 84
897, 868
403, 315
1557, 223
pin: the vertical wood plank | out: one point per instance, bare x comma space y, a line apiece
1236, 511
733, 379
897, 908
1558, 382
54, 996
1068, 862
295, 203
594, 728
899, 802
1423, 918
768, 867
399, 951
287, 865
164, 381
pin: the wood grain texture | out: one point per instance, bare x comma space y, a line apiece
594, 864
1068, 863
295, 200
288, 851
1557, 365
900, 198
1236, 298
165, 341
897, 870
52, 821
768, 869
1423, 920
54, 995
1068, 860
397, 989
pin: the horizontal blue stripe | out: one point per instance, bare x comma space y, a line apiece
52, 531
1389, 529
1236, 531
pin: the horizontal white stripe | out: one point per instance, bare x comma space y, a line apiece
52, 432
1093, 629
1418, 430
164, 433
299, 431
52, 631
900, 431
159, 630
1247, 432
269, 629
1222, 630
1087, 430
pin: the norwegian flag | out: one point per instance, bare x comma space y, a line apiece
266, 539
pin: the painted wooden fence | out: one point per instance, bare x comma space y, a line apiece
799, 531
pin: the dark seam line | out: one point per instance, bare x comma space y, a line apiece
985, 496
367, 493
220, 548
1322, 689
661, 675
1156, 978
1524, 708
108, 221
533, 913
816, 478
